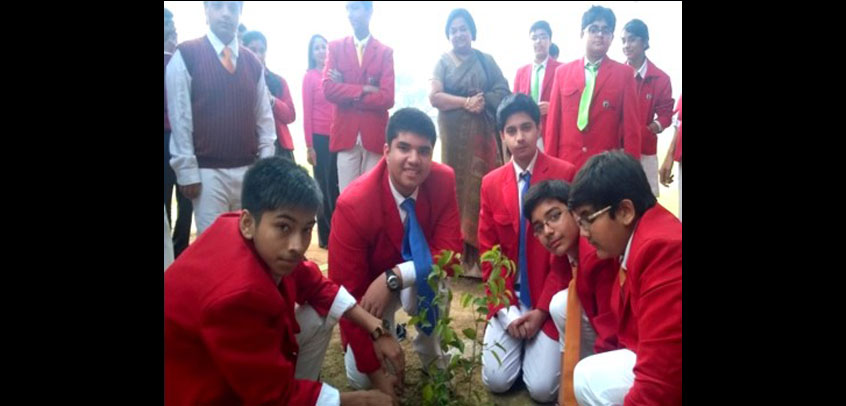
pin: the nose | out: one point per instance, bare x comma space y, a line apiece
297, 243
547, 230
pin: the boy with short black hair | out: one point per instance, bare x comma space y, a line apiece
617, 212
247, 318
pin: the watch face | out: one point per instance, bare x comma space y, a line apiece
393, 282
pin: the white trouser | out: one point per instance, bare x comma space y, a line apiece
220, 193
558, 312
426, 347
353, 163
541, 362
650, 167
604, 378
680, 192
168, 243
313, 340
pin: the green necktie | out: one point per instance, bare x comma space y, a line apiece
536, 84
587, 94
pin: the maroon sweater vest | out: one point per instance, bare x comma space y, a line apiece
222, 105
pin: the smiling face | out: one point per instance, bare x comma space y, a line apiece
634, 47
459, 35
409, 160
318, 51
258, 48
280, 238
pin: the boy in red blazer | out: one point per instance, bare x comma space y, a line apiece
358, 80
535, 79
247, 318
525, 323
619, 215
593, 106
388, 227
545, 205
655, 95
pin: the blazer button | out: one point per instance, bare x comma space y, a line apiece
584, 149
294, 353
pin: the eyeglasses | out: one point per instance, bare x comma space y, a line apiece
585, 222
595, 30
552, 218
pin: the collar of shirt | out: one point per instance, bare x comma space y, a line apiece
399, 198
625, 256
543, 64
363, 42
218, 45
599, 62
518, 170
574, 262
642, 70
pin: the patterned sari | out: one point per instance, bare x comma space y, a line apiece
469, 141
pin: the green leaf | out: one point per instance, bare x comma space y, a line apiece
469, 333
457, 269
497, 357
466, 297
428, 393
480, 309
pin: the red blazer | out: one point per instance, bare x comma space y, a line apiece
648, 306
523, 83
353, 110
678, 153
596, 277
229, 331
366, 238
655, 95
613, 120
283, 114
499, 223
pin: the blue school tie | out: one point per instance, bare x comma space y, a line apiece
415, 248
523, 265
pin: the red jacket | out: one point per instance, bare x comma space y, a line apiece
648, 306
613, 120
353, 110
596, 276
229, 331
499, 223
523, 83
366, 238
678, 153
655, 95
283, 113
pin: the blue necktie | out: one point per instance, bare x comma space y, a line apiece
523, 265
415, 248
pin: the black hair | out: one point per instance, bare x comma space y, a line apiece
241, 26
553, 50
167, 14
252, 36
599, 13
554, 189
463, 13
410, 119
516, 103
274, 183
639, 29
541, 25
608, 178
311, 62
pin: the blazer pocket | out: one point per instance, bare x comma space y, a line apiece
570, 97
504, 228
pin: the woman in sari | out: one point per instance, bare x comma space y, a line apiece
466, 89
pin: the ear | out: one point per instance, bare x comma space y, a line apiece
247, 224
626, 212
385, 149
